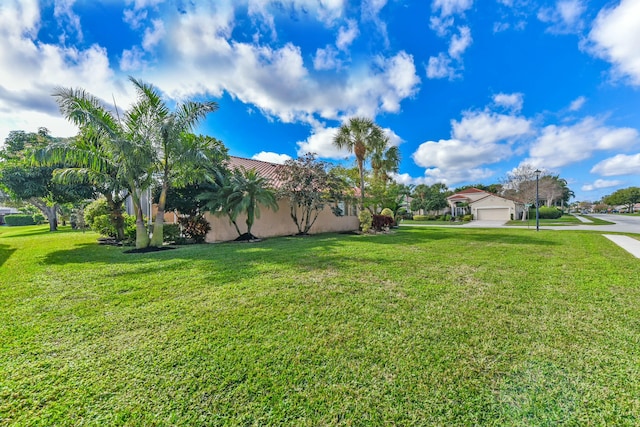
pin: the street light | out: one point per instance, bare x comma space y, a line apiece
537, 172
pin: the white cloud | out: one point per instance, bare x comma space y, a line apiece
562, 145
31, 70
460, 43
320, 142
441, 25
153, 36
394, 138
451, 7
132, 59
63, 11
276, 80
479, 138
620, 164
489, 127
577, 103
346, 35
510, 101
456, 155
326, 11
615, 36
267, 156
439, 67
601, 183
565, 17
326, 59
450, 177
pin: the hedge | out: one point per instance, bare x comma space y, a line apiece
546, 213
19, 219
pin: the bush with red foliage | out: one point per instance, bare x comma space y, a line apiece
381, 222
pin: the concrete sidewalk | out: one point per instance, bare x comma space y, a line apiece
627, 243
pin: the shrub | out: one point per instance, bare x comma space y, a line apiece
94, 209
18, 220
38, 218
195, 227
420, 217
365, 219
467, 217
381, 222
546, 213
129, 228
387, 212
101, 224
403, 214
171, 233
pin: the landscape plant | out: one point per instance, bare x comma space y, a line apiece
309, 186
366, 220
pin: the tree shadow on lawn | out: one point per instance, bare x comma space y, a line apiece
275, 249
463, 235
15, 232
5, 253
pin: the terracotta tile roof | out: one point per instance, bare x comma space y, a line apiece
471, 190
264, 169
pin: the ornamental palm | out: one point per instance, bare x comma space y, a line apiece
359, 136
92, 164
248, 191
176, 149
126, 140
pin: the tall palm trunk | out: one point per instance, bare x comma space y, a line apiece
142, 235
250, 216
361, 170
158, 224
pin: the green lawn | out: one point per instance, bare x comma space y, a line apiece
563, 220
427, 326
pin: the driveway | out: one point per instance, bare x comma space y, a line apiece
623, 224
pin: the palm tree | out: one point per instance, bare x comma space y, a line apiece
248, 191
384, 160
126, 140
359, 136
174, 146
216, 200
93, 164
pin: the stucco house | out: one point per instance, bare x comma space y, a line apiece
278, 223
484, 205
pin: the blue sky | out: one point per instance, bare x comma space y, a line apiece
468, 90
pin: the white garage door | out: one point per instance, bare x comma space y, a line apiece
494, 214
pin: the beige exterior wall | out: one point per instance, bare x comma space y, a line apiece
493, 202
279, 223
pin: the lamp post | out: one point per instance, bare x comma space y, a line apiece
537, 172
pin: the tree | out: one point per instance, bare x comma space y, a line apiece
240, 191
249, 191
174, 147
430, 198
34, 183
215, 198
89, 160
360, 135
308, 185
625, 196
127, 142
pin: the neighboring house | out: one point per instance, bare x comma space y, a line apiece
278, 223
484, 205
6, 211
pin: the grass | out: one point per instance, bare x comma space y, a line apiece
433, 222
427, 326
563, 220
